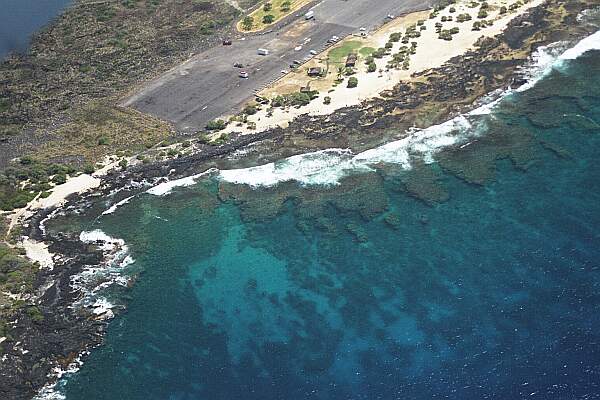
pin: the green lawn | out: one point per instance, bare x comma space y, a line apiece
338, 54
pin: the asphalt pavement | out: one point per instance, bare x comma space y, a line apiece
208, 85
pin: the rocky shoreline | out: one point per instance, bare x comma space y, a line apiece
38, 347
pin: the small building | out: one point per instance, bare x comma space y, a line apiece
315, 71
351, 60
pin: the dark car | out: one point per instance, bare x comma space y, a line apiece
226, 42
238, 65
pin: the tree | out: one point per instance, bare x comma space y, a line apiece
327, 100
286, 6
371, 67
352, 82
247, 23
268, 19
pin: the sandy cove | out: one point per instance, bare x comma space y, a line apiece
38, 251
432, 52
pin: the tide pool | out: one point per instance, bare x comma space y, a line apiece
470, 275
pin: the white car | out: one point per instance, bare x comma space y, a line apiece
362, 29
391, 16
313, 52
244, 74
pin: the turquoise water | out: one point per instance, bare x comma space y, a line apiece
475, 277
19, 19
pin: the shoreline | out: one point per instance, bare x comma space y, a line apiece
178, 168
371, 84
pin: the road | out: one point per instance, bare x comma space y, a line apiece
207, 86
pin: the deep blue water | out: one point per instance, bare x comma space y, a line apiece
19, 19
475, 277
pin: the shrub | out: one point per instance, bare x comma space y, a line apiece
59, 178
395, 37
268, 7
286, 6
327, 100
299, 99
35, 314
445, 35
503, 10
482, 14
123, 163
26, 160
352, 82
88, 169
216, 125
103, 141
268, 19
452, 9
250, 109
248, 23
379, 53
463, 17
371, 67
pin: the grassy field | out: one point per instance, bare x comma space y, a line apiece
278, 11
99, 129
338, 54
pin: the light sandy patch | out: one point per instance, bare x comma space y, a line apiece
432, 52
38, 252
58, 195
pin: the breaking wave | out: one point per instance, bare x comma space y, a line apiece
327, 167
94, 278
165, 188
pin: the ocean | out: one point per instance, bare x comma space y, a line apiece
460, 263
20, 19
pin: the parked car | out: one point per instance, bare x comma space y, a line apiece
313, 52
226, 42
238, 65
244, 74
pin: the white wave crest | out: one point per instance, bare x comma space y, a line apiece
166, 187
590, 43
92, 279
553, 56
114, 207
327, 167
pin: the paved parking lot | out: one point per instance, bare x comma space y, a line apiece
208, 86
